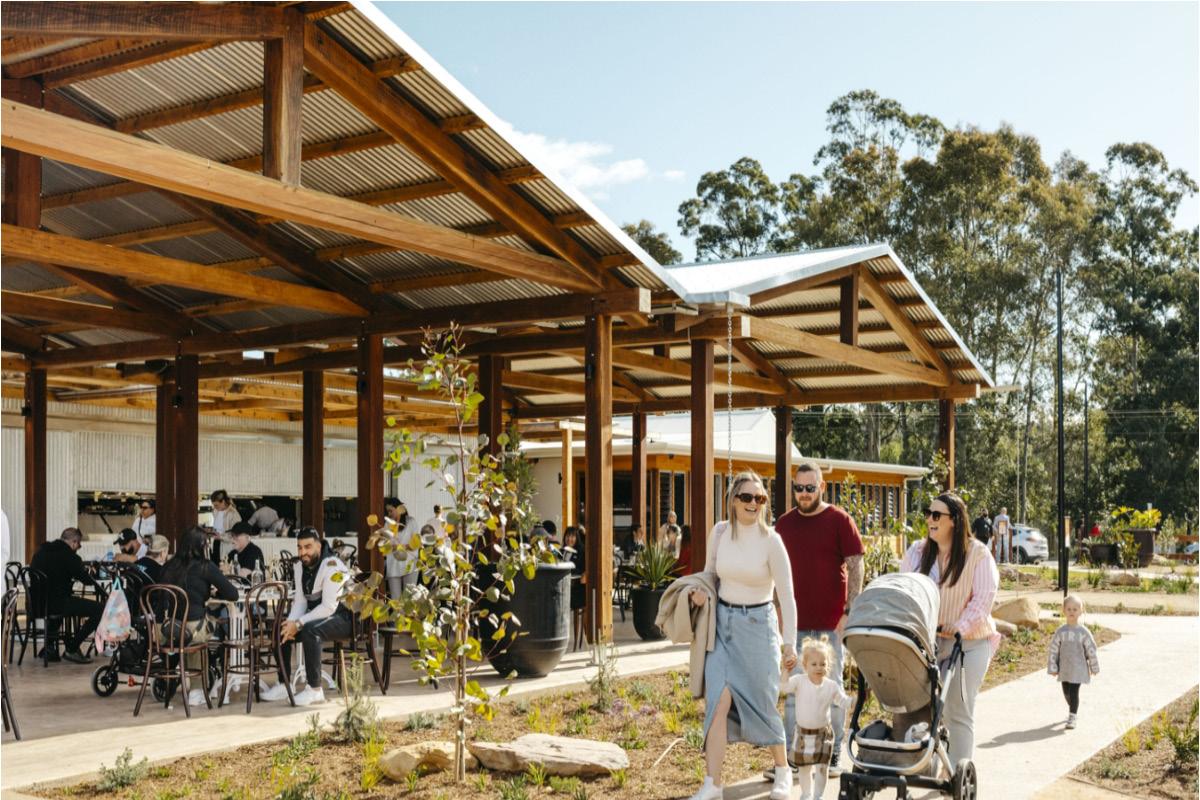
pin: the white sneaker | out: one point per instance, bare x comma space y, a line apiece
196, 697
310, 696
1070, 721
276, 692
782, 790
709, 791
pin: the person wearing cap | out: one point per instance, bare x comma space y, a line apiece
130, 545
245, 553
157, 548
60, 562
146, 523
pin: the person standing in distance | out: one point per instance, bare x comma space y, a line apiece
1002, 546
982, 527
825, 551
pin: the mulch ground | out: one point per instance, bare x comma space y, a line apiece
1143, 761
649, 714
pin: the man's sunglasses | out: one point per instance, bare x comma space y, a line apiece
805, 488
748, 498
935, 515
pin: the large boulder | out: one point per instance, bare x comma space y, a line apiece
1005, 628
433, 756
1123, 579
1009, 573
1022, 612
558, 755
1028, 577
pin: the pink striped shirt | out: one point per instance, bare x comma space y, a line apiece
968, 603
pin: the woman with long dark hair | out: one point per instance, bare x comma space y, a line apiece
967, 579
192, 571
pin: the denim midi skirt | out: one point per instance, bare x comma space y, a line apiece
746, 660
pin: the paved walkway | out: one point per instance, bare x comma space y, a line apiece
1021, 745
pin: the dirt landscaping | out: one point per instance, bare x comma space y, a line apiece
1156, 759
648, 714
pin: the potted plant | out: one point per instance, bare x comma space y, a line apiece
654, 569
1135, 531
1103, 551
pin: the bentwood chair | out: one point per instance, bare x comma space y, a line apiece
37, 607
165, 608
10, 620
12, 580
267, 606
362, 637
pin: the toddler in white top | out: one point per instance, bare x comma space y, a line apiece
815, 695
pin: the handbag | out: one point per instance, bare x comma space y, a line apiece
115, 624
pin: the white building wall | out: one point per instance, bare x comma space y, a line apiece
548, 500
12, 488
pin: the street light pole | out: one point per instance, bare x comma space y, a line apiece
1062, 533
1086, 469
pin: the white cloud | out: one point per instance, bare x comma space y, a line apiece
674, 174
583, 164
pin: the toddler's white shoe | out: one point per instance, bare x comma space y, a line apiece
310, 696
1070, 721
782, 790
709, 791
276, 692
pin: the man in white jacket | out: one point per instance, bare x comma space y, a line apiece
318, 613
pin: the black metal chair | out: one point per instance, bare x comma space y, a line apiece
165, 608
10, 620
12, 579
37, 607
266, 608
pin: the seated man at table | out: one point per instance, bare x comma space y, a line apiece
245, 553
132, 548
156, 555
318, 613
60, 562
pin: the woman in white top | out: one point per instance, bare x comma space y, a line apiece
225, 515
741, 674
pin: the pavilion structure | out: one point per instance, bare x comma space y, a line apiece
253, 209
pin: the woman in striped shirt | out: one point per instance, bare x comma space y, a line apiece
967, 579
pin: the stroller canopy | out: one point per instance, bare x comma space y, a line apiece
905, 600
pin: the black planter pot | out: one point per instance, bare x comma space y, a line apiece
1104, 554
1145, 540
543, 606
645, 610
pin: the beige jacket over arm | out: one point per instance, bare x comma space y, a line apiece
685, 623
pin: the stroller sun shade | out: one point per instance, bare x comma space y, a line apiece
891, 622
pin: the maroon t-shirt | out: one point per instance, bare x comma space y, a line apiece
818, 547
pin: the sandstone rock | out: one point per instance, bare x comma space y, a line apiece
1005, 628
1123, 579
1008, 574
434, 756
1027, 577
1022, 613
558, 755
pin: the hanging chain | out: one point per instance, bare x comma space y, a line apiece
729, 394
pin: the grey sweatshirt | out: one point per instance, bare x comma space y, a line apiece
1073, 655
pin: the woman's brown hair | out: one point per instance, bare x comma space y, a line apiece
959, 541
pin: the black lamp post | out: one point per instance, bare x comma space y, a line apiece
1062, 533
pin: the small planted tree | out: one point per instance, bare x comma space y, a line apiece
441, 612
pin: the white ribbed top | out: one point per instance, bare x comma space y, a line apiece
750, 568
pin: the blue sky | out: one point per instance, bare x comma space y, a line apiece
634, 101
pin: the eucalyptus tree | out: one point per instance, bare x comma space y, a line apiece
653, 242
734, 213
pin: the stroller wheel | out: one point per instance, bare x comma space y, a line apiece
159, 688
105, 680
965, 783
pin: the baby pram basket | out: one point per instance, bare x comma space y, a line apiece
892, 634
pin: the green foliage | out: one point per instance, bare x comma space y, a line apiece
655, 243
537, 775
734, 213
301, 747
1185, 739
356, 723
370, 773
604, 682
580, 793
1107, 768
122, 773
513, 789
561, 785
482, 781
419, 721
619, 777
694, 737
654, 566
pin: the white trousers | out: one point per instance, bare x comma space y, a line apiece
960, 705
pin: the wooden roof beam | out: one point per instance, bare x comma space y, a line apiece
744, 352
391, 112
198, 21
15, 339
48, 135
13, 46
123, 61
883, 302
32, 307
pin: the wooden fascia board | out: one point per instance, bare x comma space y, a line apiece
198, 21
386, 108
846, 354
44, 246
883, 302
801, 285
44, 308
51, 136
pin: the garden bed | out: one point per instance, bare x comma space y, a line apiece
647, 714
1045, 579
1144, 761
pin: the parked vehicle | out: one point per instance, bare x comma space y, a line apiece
1030, 545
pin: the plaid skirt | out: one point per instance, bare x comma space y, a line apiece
812, 746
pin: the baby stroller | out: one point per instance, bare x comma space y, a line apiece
891, 633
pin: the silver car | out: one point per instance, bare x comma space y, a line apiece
1030, 545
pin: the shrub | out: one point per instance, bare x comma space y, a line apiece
513, 789
563, 785
356, 723
1186, 739
619, 777
372, 749
419, 721
123, 773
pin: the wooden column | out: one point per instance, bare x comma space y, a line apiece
22, 171
946, 436
655, 502
187, 441
283, 87
598, 451
35, 461
164, 460
491, 410
312, 503
639, 474
700, 515
370, 441
849, 308
568, 479
783, 460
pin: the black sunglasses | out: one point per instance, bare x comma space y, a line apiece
937, 515
748, 498
805, 488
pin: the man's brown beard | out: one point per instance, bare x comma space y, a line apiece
809, 508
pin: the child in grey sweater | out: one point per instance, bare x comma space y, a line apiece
1073, 655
